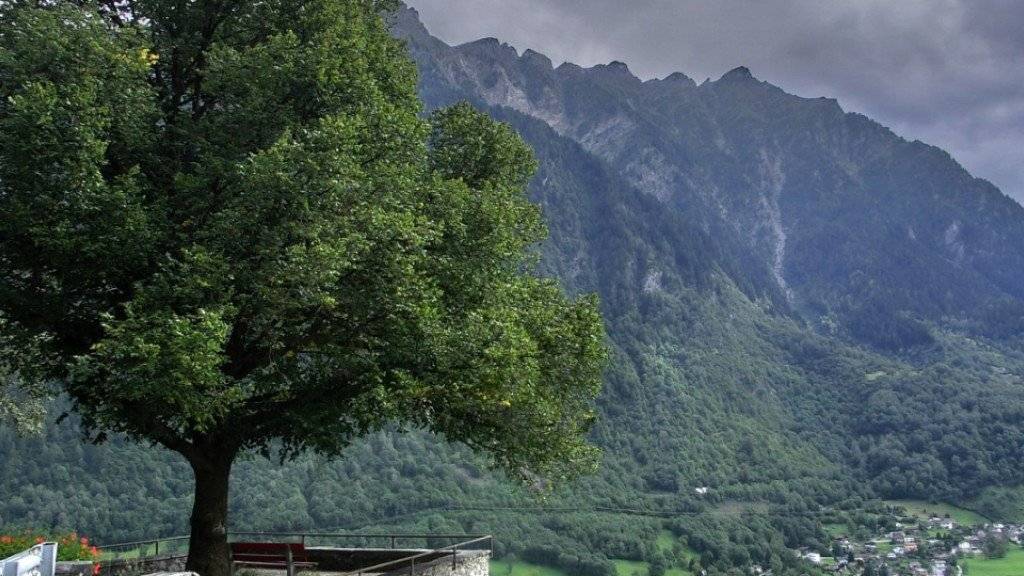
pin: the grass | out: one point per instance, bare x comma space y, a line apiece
665, 543
884, 547
736, 508
923, 509
519, 568
835, 530
666, 540
1011, 565
630, 567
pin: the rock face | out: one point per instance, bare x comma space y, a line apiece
813, 198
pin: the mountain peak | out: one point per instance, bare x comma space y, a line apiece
740, 73
406, 22
488, 42
492, 47
677, 78
569, 68
620, 67
534, 57
616, 69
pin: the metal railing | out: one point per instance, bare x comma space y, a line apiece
429, 543
174, 545
395, 565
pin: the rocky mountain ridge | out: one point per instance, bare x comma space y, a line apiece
792, 181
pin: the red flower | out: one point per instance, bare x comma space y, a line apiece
84, 541
95, 569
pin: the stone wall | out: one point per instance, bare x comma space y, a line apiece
137, 566
73, 569
465, 563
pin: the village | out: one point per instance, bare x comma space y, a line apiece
932, 546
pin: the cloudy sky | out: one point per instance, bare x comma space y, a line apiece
948, 72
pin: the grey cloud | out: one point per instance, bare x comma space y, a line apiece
948, 72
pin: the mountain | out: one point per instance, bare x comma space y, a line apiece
853, 226
806, 313
882, 285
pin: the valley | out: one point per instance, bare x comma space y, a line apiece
815, 331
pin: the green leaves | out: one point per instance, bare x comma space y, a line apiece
73, 224
164, 358
469, 146
241, 231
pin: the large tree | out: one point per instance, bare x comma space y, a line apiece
226, 227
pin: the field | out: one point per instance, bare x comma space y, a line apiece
736, 508
632, 567
664, 543
517, 568
924, 509
623, 567
1011, 565
836, 530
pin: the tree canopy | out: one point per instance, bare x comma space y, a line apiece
227, 226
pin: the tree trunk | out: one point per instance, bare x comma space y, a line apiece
208, 552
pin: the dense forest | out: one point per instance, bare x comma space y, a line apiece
878, 355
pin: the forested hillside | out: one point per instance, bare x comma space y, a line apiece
895, 349
805, 311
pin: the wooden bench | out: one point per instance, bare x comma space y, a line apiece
270, 555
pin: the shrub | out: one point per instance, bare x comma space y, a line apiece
69, 546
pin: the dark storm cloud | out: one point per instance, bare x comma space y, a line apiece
948, 72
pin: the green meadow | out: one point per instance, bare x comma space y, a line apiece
519, 568
923, 509
1011, 565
